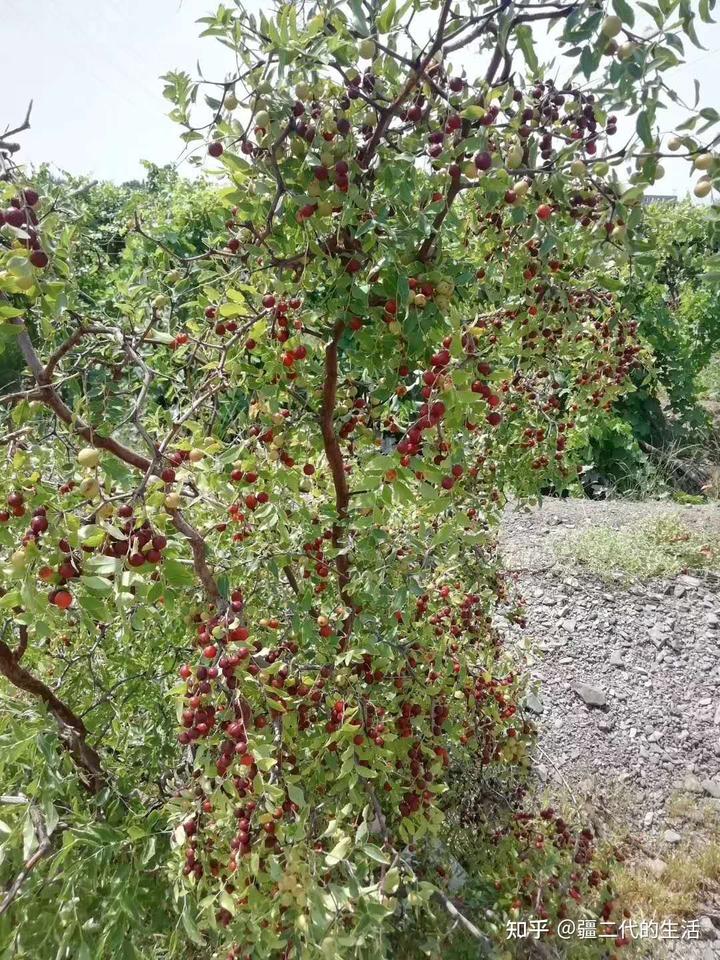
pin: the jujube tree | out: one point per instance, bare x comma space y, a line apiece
261, 480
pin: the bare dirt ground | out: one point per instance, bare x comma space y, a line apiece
628, 686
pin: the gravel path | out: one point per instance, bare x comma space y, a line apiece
628, 695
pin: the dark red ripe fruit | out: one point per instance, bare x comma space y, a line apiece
353, 265
456, 84
153, 556
216, 149
62, 599
168, 475
544, 211
483, 161
308, 469
39, 525
31, 197
210, 651
125, 511
320, 172
14, 217
494, 419
268, 301
210, 313
39, 259
15, 500
4, 516
136, 560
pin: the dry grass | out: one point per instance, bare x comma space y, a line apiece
658, 548
690, 881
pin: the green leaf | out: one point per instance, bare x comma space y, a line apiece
474, 112
524, 36
623, 9
375, 853
339, 852
178, 574
642, 125
97, 584
190, 926
386, 17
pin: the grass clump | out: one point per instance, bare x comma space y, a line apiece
690, 880
661, 547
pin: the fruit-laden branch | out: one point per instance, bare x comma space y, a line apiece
51, 398
386, 115
337, 469
73, 730
48, 394
199, 551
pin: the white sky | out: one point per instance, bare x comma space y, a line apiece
92, 68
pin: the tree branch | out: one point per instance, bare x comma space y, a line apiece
6, 145
74, 732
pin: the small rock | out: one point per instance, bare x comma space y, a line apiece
671, 836
568, 625
606, 725
655, 737
533, 703
679, 591
616, 659
692, 784
691, 582
648, 818
707, 929
590, 695
712, 788
656, 866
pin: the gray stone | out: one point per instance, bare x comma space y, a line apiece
691, 582
712, 788
590, 695
656, 866
671, 836
691, 784
534, 703
616, 659
707, 929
